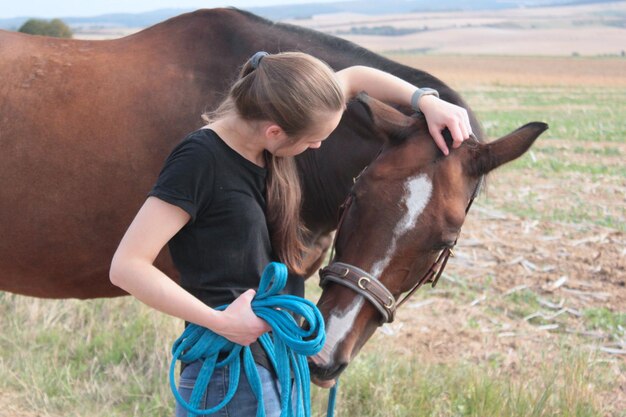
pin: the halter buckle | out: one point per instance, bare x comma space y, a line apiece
362, 282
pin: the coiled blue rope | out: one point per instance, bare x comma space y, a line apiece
287, 347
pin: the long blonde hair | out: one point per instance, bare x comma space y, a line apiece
289, 89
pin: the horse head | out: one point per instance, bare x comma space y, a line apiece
402, 217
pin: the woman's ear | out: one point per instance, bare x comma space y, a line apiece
274, 132
274, 136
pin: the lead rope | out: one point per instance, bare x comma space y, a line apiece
287, 347
332, 399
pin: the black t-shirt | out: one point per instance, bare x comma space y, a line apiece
222, 251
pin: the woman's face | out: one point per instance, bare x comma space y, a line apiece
327, 123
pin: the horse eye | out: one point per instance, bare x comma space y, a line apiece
446, 245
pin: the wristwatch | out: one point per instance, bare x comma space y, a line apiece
415, 98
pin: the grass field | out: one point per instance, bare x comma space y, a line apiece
529, 319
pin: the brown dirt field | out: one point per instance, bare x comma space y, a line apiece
469, 71
585, 29
487, 40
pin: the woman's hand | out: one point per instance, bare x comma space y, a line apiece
441, 114
239, 324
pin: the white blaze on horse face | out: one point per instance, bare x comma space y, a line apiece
337, 328
417, 192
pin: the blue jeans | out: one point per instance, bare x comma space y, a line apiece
243, 404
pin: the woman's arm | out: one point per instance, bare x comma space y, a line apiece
132, 269
389, 88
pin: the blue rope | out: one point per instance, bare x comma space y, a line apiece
287, 347
332, 399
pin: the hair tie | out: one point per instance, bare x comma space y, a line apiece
256, 59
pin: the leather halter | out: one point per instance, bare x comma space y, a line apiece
370, 287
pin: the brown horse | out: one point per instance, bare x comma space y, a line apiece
405, 210
86, 125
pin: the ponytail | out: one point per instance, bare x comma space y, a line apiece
289, 89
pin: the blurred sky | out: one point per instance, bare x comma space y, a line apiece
77, 8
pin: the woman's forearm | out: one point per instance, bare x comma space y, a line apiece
151, 286
378, 84
144, 281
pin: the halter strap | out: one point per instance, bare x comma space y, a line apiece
369, 286
363, 283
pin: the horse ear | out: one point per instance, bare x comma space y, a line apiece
391, 122
506, 149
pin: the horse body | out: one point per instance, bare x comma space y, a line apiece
83, 132
86, 125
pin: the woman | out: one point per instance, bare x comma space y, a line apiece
227, 200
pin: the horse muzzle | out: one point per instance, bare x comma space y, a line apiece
323, 374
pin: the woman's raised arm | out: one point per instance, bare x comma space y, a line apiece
391, 89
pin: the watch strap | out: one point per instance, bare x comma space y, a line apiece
415, 98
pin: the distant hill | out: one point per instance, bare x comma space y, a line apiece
298, 11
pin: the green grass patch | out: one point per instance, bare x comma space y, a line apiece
560, 165
590, 115
608, 151
577, 116
574, 214
521, 303
579, 150
604, 319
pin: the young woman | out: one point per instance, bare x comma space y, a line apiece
226, 201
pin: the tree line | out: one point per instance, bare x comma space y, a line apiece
55, 27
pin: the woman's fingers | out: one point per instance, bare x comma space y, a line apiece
435, 132
440, 115
457, 134
242, 326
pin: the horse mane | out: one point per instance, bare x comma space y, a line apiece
358, 54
